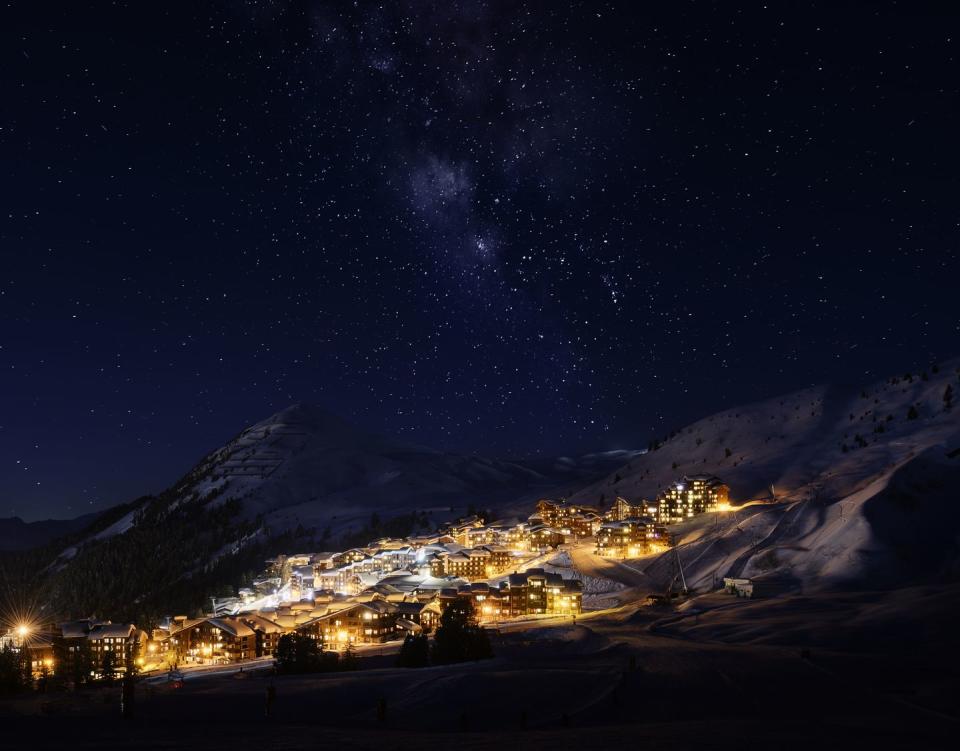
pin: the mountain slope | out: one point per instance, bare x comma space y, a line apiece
796, 442
301, 478
306, 466
864, 482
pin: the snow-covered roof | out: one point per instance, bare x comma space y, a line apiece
112, 631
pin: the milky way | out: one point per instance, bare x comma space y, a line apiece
493, 226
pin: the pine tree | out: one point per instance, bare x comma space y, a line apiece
948, 397
349, 661
108, 667
912, 413
297, 653
82, 662
415, 652
14, 671
458, 637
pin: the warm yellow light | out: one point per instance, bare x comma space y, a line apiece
48, 662
342, 636
723, 507
23, 630
152, 647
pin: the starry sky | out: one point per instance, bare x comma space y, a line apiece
506, 227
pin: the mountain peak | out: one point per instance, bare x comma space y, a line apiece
310, 416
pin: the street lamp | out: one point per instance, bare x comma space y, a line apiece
22, 632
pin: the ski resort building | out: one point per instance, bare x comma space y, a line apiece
472, 563
541, 538
690, 496
629, 538
98, 638
534, 592
622, 509
356, 623
569, 519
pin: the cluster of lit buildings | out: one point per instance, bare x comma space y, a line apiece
630, 530
532, 592
390, 588
400, 604
468, 550
99, 643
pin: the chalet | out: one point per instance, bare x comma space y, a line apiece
354, 555
517, 538
533, 592
394, 558
41, 652
215, 640
629, 538
323, 561
460, 530
488, 601
430, 614
536, 592
575, 520
266, 634
472, 563
542, 538
356, 623
478, 536
121, 639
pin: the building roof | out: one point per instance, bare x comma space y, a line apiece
76, 629
232, 625
112, 631
259, 623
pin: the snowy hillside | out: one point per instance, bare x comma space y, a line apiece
863, 491
305, 466
300, 480
865, 486
796, 442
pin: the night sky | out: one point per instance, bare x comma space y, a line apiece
512, 228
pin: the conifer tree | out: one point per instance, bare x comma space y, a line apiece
415, 652
458, 637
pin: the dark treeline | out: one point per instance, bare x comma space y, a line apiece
173, 558
459, 638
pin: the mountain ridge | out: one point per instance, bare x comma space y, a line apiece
304, 477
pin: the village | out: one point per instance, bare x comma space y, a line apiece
384, 591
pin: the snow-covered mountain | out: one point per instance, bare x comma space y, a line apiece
865, 484
796, 442
306, 466
863, 490
301, 479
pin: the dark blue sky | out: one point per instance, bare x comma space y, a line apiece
505, 227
